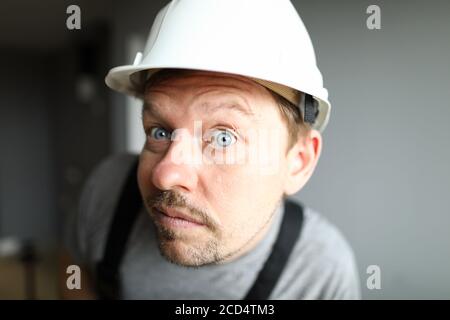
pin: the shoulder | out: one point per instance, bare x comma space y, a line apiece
98, 200
322, 264
112, 169
104, 184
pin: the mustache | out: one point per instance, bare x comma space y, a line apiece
173, 199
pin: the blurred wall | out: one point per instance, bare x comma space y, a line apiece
54, 114
27, 199
383, 177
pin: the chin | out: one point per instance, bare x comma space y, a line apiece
182, 254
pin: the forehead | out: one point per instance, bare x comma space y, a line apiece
187, 87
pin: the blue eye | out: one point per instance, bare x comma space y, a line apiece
223, 138
159, 133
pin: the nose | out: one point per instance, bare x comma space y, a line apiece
178, 169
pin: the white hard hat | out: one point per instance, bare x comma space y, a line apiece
265, 40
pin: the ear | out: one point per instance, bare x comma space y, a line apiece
302, 159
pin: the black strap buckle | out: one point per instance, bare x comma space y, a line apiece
311, 109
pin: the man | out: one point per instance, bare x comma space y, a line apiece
232, 127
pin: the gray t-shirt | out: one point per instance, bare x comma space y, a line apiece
321, 265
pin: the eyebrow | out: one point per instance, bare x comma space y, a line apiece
150, 107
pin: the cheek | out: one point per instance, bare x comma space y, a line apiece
224, 191
144, 174
242, 200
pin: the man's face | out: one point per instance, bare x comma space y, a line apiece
184, 174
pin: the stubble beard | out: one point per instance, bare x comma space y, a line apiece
173, 247
175, 250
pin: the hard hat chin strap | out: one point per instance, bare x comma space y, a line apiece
310, 109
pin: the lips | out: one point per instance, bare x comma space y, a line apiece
177, 214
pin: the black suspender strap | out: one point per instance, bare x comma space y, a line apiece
129, 205
288, 235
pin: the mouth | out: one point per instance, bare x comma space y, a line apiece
174, 218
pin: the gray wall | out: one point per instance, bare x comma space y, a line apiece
383, 175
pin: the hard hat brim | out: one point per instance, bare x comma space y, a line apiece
128, 79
